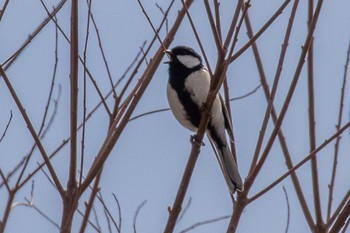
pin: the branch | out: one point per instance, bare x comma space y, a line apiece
139, 207
337, 142
7, 126
32, 131
301, 163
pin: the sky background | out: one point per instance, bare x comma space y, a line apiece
148, 161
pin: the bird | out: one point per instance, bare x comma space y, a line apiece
187, 90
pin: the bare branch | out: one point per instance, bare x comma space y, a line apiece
204, 223
288, 209
337, 142
32, 131
7, 126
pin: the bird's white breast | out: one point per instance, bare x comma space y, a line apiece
198, 84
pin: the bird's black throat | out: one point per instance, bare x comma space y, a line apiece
177, 77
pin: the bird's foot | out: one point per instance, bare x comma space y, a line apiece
205, 109
194, 139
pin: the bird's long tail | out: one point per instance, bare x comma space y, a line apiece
227, 163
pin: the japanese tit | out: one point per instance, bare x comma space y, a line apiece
187, 91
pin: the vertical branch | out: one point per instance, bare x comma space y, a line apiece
337, 142
70, 198
281, 136
312, 128
74, 56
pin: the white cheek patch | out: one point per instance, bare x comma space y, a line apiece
188, 61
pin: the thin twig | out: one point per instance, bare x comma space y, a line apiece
204, 223
301, 163
312, 126
337, 142
7, 126
197, 38
124, 116
119, 214
281, 136
31, 204
103, 54
32, 131
11, 59
186, 208
165, 16
138, 209
261, 31
288, 209
96, 220
151, 24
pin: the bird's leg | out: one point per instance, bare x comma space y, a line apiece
193, 139
205, 109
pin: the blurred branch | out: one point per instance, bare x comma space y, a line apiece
7, 126
119, 214
204, 223
288, 209
2, 11
138, 209
183, 212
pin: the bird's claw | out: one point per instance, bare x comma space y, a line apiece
193, 139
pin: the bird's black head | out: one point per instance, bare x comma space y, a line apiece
184, 56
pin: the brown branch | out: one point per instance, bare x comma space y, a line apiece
214, 29
204, 223
342, 217
288, 98
281, 137
80, 59
261, 31
118, 126
2, 11
301, 163
151, 24
197, 37
32, 131
5, 181
74, 56
11, 59
339, 208
337, 142
7, 126
103, 55
312, 128
90, 204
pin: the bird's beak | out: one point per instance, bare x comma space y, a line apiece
168, 53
